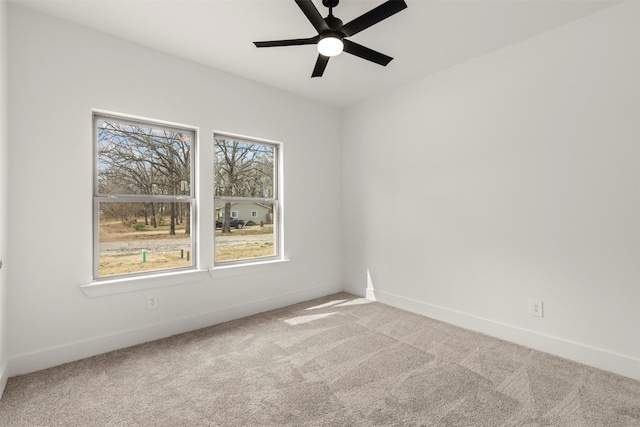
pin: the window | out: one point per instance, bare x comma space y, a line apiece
144, 203
246, 179
143, 196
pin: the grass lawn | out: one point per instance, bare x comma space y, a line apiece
115, 231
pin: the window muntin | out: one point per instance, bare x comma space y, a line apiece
143, 196
246, 181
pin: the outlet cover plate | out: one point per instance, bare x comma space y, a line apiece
536, 307
152, 302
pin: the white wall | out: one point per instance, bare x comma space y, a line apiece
512, 176
521, 165
3, 191
58, 72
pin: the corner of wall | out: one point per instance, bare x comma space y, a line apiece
3, 187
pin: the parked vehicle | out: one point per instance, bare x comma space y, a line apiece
233, 222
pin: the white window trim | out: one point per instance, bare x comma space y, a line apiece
154, 281
140, 283
258, 267
277, 202
97, 198
205, 268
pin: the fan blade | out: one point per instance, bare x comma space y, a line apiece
313, 15
321, 64
366, 53
292, 42
372, 17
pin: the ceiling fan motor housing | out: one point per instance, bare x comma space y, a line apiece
333, 22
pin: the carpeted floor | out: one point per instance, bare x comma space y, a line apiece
335, 361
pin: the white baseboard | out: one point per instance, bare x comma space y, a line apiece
46, 358
598, 358
3, 378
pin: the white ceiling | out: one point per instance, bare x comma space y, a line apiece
428, 36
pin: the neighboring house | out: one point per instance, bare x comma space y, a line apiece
255, 212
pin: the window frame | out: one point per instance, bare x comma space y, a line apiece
276, 201
98, 198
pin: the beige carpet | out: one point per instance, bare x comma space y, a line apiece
335, 361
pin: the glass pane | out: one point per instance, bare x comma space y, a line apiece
243, 169
246, 236
136, 237
142, 160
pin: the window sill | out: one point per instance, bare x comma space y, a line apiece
132, 284
142, 283
233, 270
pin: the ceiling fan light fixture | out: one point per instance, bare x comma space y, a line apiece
330, 46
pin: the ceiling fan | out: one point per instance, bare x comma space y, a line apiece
332, 33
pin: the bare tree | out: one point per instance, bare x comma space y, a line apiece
137, 160
242, 170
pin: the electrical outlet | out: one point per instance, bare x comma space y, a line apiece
535, 307
152, 302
